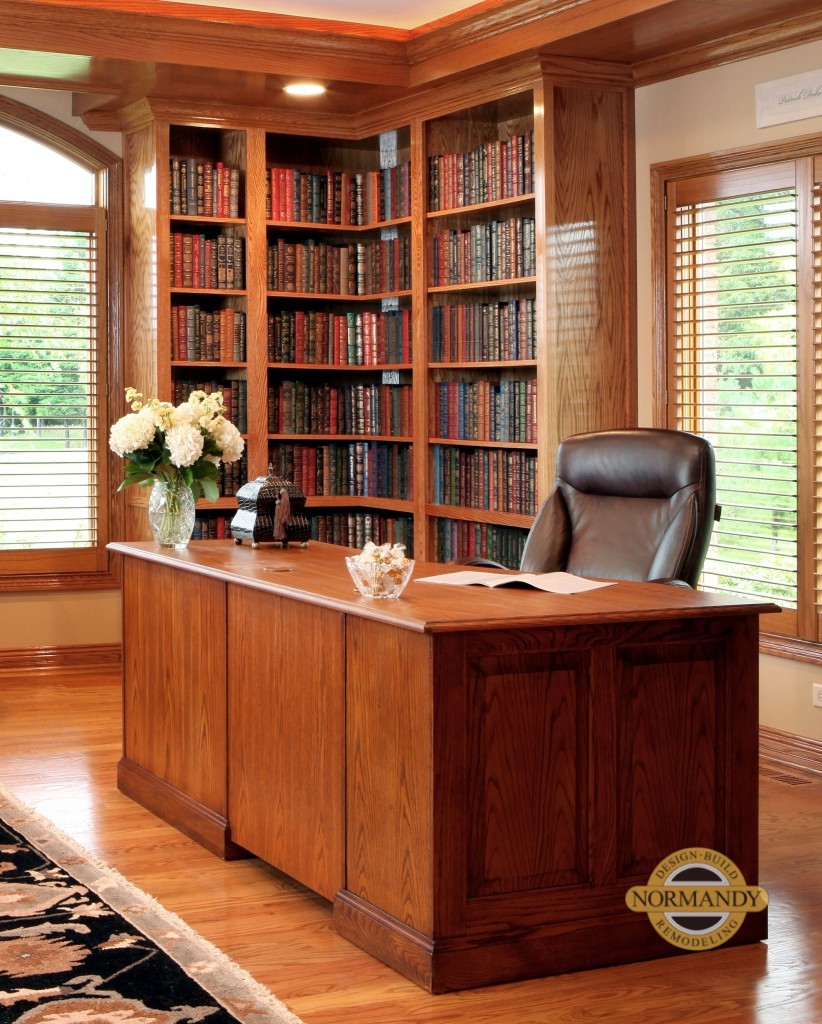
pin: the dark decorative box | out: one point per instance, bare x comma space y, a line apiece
270, 509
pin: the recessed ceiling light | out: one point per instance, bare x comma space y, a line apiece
304, 89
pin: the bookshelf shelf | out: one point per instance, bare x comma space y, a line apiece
346, 501
340, 296
205, 221
468, 513
218, 292
207, 364
481, 208
336, 229
341, 367
526, 446
483, 286
346, 438
483, 365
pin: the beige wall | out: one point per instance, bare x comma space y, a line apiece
87, 617
703, 113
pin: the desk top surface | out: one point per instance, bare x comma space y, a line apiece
317, 574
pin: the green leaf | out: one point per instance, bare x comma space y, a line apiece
210, 489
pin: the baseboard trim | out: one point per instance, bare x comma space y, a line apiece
787, 750
70, 656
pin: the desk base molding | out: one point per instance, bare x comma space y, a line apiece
192, 818
474, 961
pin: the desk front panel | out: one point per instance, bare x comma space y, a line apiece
507, 788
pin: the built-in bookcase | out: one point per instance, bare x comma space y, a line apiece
406, 319
483, 326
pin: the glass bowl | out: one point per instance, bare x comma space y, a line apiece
379, 579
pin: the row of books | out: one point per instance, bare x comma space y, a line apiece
338, 197
339, 339
232, 476
353, 529
199, 261
459, 538
235, 397
355, 268
206, 335
484, 410
494, 479
496, 251
295, 407
369, 469
349, 529
480, 331
211, 527
204, 188
492, 171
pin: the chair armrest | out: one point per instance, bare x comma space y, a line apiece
671, 582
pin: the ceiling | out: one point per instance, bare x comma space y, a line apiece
391, 13
372, 54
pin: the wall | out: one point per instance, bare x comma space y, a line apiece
82, 617
703, 113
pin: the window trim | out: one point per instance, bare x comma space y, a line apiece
774, 639
108, 167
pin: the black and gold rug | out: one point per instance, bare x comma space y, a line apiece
81, 945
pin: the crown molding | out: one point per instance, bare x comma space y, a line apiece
755, 43
292, 46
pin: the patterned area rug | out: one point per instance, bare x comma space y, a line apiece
81, 945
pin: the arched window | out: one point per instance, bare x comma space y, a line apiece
58, 289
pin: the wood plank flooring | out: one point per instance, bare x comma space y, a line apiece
59, 745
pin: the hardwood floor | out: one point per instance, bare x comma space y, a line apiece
59, 745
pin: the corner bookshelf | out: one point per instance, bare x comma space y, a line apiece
429, 297
339, 331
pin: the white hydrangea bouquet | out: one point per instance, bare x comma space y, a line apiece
171, 444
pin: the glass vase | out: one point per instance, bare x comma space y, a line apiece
171, 513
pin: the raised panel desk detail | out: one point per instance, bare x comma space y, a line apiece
474, 777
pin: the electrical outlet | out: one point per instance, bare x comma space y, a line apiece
817, 695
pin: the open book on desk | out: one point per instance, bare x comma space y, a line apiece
553, 582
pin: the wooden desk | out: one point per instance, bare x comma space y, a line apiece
474, 777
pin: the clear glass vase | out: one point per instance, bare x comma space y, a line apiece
171, 513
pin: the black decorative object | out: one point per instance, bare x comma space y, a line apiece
270, 509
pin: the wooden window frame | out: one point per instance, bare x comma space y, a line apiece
796, 635
41, 569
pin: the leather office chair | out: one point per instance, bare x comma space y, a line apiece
635, 504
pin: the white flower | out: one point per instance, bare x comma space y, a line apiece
185, 414
185, 445
132, 432
228, 438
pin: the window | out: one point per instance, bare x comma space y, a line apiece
738, 348
55, 364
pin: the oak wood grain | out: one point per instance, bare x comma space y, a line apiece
285, 735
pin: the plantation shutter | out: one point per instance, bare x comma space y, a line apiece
733, 368
52, 468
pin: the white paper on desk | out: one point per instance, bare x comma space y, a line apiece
553, 582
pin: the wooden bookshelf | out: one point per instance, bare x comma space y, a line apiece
561, 320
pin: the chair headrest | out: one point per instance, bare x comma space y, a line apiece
643, 462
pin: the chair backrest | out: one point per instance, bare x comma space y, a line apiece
627, 505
